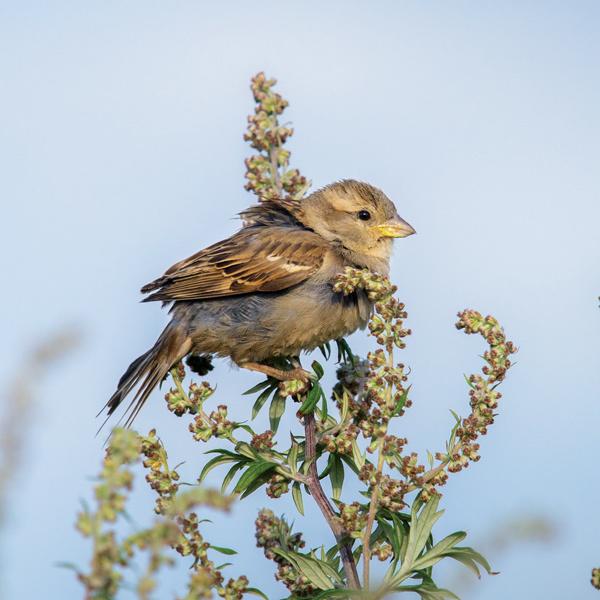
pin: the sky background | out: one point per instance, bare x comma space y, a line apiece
121, 152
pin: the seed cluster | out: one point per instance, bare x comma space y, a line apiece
352, 518
268, 174
177, 528
160, 478
190, 542
275, 533
483, 394
278, 486
262, 441
374, 391
383, 551
204, 426
115, 480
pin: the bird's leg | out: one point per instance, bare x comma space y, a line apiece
295, 360
298, 373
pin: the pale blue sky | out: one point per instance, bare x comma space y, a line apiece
121, 152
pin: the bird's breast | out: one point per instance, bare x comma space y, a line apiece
313, 314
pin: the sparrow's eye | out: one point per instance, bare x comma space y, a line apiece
364, 215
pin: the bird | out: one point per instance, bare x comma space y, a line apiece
266, 292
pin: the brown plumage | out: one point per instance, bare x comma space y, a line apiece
250, 261
266, 291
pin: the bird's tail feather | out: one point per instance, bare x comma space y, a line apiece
147, 371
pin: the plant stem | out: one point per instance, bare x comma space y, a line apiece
373, 505
316, 491
374, 502
275, 168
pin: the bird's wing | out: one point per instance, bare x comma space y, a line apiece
270, 213
261, 259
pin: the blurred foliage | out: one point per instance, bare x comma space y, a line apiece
177, 528
348, 431
17, 404
509, 535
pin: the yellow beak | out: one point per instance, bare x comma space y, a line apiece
395, 228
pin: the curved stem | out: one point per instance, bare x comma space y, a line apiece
316, 491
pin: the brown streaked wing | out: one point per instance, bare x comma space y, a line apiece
284, 211
253, 260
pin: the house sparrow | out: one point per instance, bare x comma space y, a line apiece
266, 291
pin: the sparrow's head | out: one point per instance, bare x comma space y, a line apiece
356, 215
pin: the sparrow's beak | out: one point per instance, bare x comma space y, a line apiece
394, 228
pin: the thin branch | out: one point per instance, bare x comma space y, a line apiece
316, 491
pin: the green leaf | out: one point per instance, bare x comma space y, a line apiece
67, 565
456, 417
421, 525
223, 550
255, 485
401, 401
344, 351
428, 591
246, 450
260, 401
276, 409
308, 406
256, 592
255, 470
338, 594
258, 387
297, 497
359, 459
391, 536
471, 558
336, 475
469, 383
318, 369
224, 452
402, 530
327, 468
319, 573
324, 410
430, 459
398, 537
293, 456
231, 474
344, 401
325, 350
212, 463
350, 463
245, 427
439, 551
